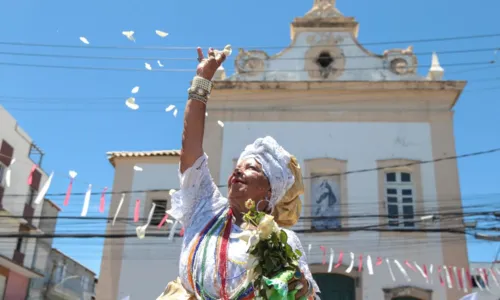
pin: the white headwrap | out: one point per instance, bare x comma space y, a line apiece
274, 160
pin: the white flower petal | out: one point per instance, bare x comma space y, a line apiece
170, 107
221, 124
129, 35
227, 50
171, 192
159, 64
244, 235
161, 33
141, 231
137, 168
206, 114
130, 103
147, 66
169, 222
72, 173
135, 90
175, 112
84, 40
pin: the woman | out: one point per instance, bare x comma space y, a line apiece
212, 264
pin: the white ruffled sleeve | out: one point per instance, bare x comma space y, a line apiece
293, 240
198, 194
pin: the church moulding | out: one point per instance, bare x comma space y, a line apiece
407, 291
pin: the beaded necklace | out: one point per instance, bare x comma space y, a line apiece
223, 222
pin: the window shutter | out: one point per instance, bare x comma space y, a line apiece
37, 177
6, 153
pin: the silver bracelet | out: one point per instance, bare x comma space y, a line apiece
193, 96
200, 86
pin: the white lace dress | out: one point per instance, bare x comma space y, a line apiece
195, 205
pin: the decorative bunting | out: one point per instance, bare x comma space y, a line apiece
369, 265
137, 210
30, 177
460, 284
103, 200
9, 172
339, 262
390, 269
422, 272
43, 190
465, 280
163, 220
409, 265
449, 279
323, 249
86, 201
141, 230
495, 279
351, 265
330, 263
469, 278
72, 175
441, 281
402, 270
118, 209
431, 269
481, 273
172, 230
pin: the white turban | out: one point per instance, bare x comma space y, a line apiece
274, 160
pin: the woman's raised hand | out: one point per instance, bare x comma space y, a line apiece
208, 65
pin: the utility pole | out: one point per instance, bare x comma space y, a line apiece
49, 283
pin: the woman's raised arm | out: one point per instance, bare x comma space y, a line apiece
194, 115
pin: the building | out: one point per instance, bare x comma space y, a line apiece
486, 288
43, 249
338, 108
18, 214
68, 279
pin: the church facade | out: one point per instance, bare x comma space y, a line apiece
361, 126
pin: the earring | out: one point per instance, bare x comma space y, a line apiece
266, 199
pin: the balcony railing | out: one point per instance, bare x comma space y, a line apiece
28, 213
18, 257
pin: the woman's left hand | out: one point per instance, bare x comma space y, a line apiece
299, 283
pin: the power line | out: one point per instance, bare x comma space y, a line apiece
445, 52
163, 48
453, 157
163, 70
162, 235
180, 98
353, 216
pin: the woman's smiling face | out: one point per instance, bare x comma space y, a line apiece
248, 181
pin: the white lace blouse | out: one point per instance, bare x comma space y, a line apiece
195, 205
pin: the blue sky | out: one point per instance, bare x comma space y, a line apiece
78, 115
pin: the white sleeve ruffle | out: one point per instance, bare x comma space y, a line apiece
198, 194
293, 240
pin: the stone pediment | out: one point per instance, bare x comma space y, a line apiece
324, 47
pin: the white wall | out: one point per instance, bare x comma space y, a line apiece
149, 264
17, 138
361, 144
